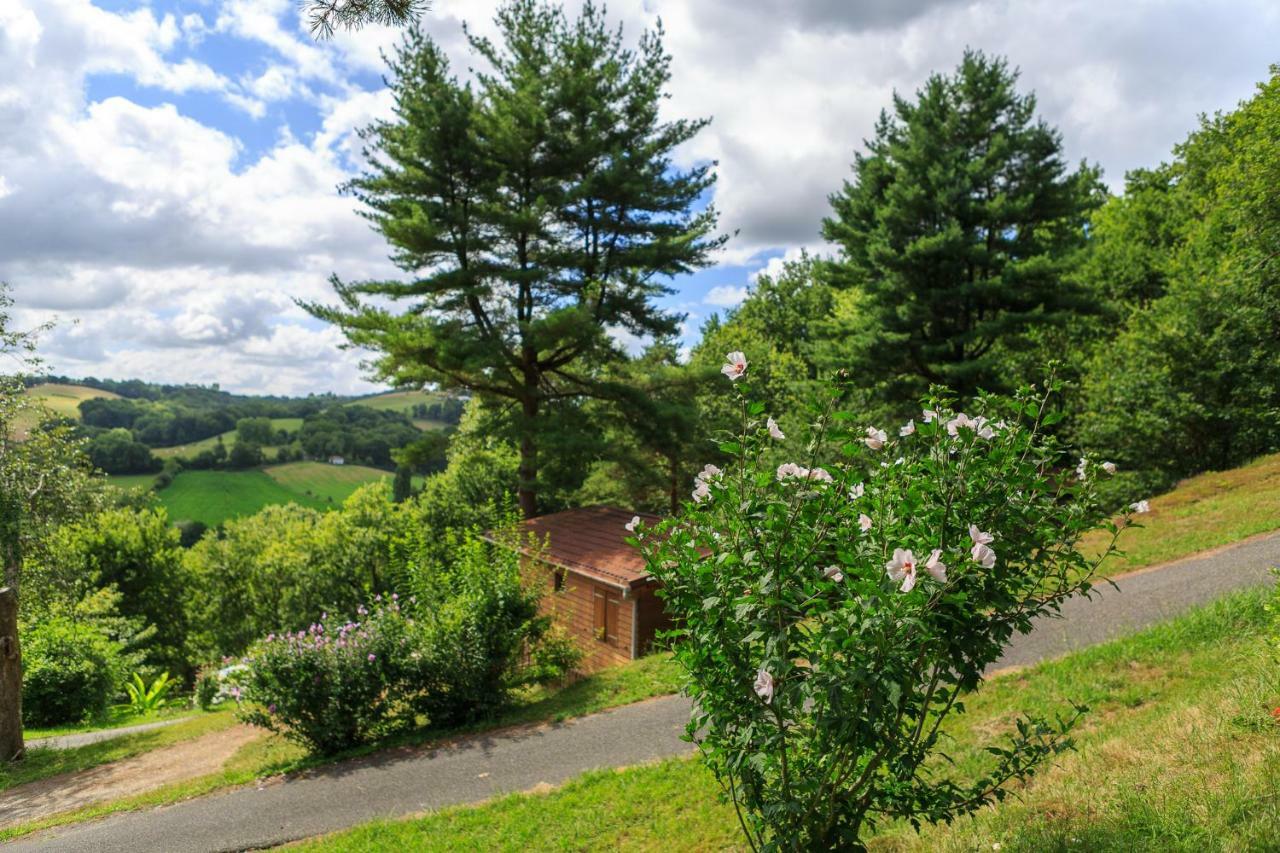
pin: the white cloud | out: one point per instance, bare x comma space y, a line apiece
180, 247
725, 296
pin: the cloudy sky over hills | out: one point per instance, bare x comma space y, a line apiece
168, 169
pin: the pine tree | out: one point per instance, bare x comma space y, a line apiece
960, 228
534, 211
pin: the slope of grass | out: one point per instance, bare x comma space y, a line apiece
323, 481
217, 496
395, 401
655, 675
65, 399
1179, 752
403, 401
1205, 511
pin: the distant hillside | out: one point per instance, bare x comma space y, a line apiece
64, 399
428, 409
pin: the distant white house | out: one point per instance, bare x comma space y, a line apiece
337, 460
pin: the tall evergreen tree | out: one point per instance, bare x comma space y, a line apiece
960, 227
533, 211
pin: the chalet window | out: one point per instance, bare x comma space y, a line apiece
557, 580
607, 603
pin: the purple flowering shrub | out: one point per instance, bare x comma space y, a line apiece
835, 610
339, 683
450, 654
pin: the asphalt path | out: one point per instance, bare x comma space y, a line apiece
469, 770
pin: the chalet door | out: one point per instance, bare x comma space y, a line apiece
607, 603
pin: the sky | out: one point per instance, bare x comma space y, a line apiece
169, 168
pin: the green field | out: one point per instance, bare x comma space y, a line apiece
132, 481
396, 401
213, 497
322, 480
193, 448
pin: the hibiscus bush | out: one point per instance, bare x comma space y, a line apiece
833, 611
337, 684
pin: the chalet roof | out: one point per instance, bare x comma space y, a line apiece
590, 541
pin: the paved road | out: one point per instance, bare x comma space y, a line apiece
406, 781
69, 741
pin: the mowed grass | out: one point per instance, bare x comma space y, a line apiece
1205, 511
655, 675
1179, 752
322, 480
213, 497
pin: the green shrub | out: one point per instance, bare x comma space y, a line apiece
70, 672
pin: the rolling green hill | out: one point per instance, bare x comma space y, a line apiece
213, 497
323, 481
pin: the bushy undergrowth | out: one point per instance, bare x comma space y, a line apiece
70, 672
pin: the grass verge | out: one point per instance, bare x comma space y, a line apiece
1179, 752
1206, 511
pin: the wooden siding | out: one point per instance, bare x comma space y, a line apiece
583, 603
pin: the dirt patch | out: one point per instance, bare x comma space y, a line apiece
137, 775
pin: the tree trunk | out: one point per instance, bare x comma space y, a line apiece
528, 473
11, 746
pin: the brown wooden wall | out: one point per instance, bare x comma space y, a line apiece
575, 607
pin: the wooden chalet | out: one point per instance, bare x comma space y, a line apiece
597, 585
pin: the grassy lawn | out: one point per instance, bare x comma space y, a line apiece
1179, 752
1205, 511
323, 481
655, 675
43, 763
